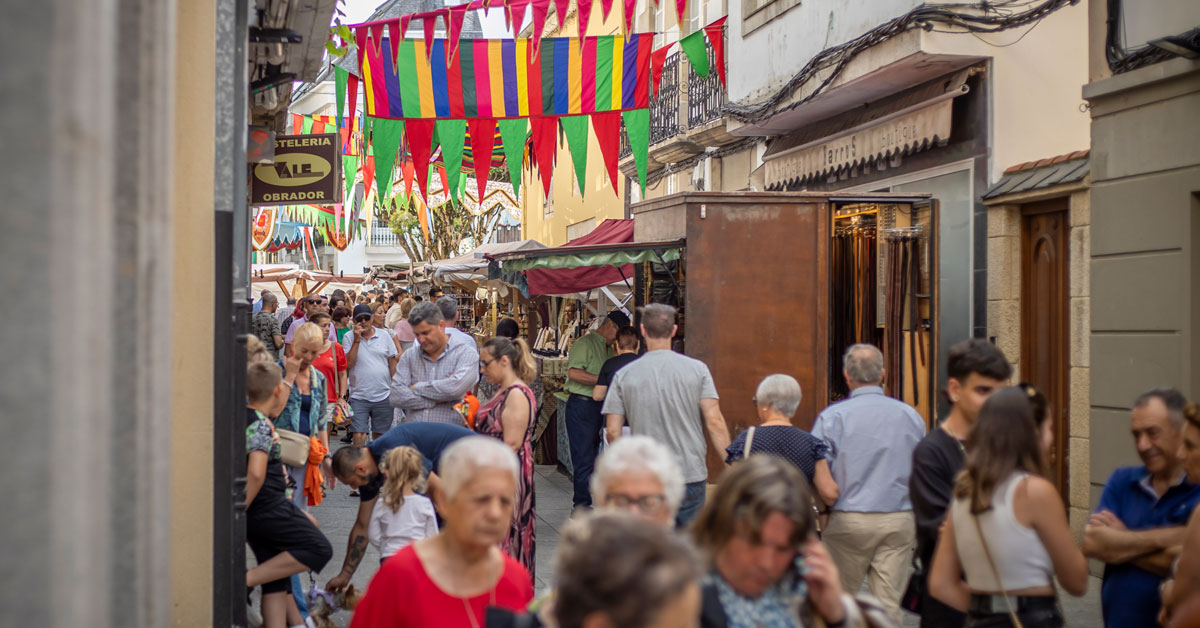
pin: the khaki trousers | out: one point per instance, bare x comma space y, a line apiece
877, 546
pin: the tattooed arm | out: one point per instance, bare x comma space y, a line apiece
355, 548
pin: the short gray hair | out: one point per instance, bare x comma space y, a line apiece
781, 392
425, 312
269, 297
449, 307
1174, 401
863, 364
633, 454
462, 461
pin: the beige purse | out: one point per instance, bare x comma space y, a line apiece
293, 448
1012, 612
749, 443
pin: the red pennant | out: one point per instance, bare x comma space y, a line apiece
540, 9
483, 140
606, 7
420, 145
680, 11
430, 25
445, 181
560, 10
544, 146
658, 58
297, 124
607, 127
454, 24
630, 7
368, 176
360, 40
584, 7
376, 41
404, 19
514, 14
408, 172
715, 33
395, 35
352, 100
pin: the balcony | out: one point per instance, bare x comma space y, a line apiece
382, 235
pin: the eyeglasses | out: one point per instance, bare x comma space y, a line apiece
485, 363
645, 503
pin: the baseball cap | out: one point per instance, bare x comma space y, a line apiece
618, 317
360, 311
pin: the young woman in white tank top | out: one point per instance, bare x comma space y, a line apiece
1007, 535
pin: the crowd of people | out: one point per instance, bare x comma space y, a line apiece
850, 524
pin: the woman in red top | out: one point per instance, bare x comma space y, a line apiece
335, 386
450, 579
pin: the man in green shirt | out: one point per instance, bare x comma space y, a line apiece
584, 421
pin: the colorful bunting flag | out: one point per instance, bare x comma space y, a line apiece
697, 54
544, 147
386, 136
483, 133
637, 129
658, 58
583, 9
512, 141
420, 146
630, 9
716, 36
576, 130
451, 135
341, 77
607, 127
540, 9
561, 7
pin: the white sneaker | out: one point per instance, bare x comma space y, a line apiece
254, 618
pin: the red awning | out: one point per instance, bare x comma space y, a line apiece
569, 280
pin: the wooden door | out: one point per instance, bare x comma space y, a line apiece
1045, 330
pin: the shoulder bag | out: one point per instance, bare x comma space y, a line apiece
293, 446
342, 412
749, 443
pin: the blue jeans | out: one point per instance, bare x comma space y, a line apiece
693, 500
298, 594
584, 423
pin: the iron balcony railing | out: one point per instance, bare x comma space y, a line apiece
382, 234
706, 95
664, 110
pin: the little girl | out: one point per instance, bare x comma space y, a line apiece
401, 516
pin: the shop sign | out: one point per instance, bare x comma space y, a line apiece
901, 135
306, 171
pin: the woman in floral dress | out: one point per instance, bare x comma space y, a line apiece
509, 416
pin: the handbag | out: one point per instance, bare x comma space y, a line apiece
914, 593
1012, 612
293, 447
342, 411
749, 443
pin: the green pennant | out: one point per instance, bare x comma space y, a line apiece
576, 130
512, 140
386, 135
462, 185
306, 126
452, 133
340, 78
694, 47
349, 169
637, 129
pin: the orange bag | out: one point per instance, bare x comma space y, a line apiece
468, 408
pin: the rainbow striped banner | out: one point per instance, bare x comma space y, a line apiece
506, 78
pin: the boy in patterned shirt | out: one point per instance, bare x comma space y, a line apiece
284, 539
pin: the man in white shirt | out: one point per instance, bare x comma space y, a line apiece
371, 361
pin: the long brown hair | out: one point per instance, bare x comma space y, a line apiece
1004, 440
403, 469
518, 354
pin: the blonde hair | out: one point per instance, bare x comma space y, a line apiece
403, 469
256, 351
518, 354
406, 307
309, 333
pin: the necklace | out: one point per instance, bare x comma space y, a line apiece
957, 440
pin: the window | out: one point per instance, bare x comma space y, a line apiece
756, 13
548, 208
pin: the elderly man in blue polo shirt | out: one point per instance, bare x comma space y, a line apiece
1143, 511
871, 437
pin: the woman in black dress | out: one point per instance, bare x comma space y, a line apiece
776, 399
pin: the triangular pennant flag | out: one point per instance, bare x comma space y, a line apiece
606, 8
318, 127
630, 8
680, 11
545, 146
395, 36
607, 127
353, 99
430, 23
420, 145
514, 16
483, 140
387, 135
340, 78
349, 169
575, 128
445, 183
307, 125
716, 36
561, 7
451, 134
409, 173
584, 9
657, 59
697, 55
454, 25
512, 141
297, 124
422, 212
637, 129
540, 9
404, 20
376, 41
360, 42
368, 176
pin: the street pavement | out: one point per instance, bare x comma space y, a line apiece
337, 512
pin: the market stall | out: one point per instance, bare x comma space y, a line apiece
303, 281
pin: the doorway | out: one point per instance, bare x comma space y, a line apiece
1045, 326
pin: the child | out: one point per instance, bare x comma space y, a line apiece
285, 540
401, 516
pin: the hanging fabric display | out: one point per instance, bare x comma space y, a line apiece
507, 78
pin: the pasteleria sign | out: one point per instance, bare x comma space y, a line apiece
307, 169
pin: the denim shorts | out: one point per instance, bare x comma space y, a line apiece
370, 416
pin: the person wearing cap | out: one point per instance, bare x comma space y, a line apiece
584, 421
371, 361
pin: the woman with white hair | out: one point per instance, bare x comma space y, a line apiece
639, 474
448, 580
776, 399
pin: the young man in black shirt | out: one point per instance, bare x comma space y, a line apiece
975, 368
628, 345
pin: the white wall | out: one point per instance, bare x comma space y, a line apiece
1150, 19
354, 258
768, 57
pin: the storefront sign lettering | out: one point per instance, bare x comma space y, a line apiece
306, 169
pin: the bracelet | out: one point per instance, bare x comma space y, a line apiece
288, 384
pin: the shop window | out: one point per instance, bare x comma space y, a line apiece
756, 13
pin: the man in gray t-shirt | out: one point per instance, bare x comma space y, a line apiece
670, 398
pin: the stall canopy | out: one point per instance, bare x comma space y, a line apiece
601, 258
473, 265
